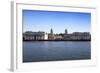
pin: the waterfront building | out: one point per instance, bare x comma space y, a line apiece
78, 36
46, 36
67, 37
58, 37
40, 35
81, 36
51, 36
29, 35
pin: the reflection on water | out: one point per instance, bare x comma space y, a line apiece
55, 50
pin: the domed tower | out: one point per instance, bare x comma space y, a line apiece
66, 32
51, 35
51, 31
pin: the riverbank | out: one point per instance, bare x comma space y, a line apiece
56, 40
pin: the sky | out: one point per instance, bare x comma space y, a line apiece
35, 20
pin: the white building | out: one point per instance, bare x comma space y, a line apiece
45, 36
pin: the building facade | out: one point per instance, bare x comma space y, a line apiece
51, 36
29, 35
78, 36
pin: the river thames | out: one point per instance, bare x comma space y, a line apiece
37, 51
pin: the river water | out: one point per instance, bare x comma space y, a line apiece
36, 51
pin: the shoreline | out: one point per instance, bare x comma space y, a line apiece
57, 40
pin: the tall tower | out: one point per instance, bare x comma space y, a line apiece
51, 31
66, 32
51, 35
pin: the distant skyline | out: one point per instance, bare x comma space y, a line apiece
35, 20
